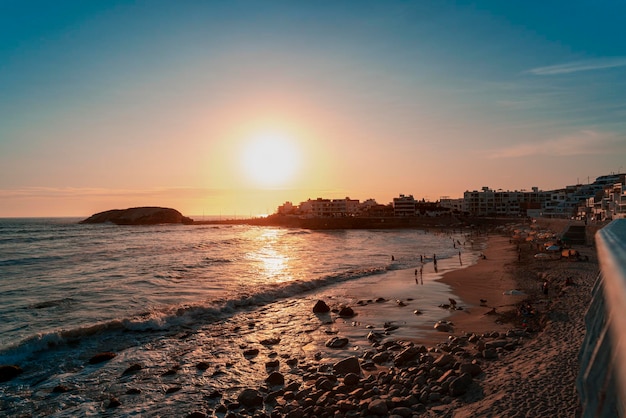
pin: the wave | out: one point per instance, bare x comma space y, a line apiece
28, 260
169, 319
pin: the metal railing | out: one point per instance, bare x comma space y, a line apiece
602, 378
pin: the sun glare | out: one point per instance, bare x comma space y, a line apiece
270, 159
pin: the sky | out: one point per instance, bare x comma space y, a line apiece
231, 108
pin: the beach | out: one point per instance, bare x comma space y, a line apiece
513, 365
502, 348
494, 360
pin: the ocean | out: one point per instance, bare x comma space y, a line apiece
167, 297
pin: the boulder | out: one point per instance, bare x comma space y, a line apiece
348, 365
101, 357
275, 379
337, 342
9, 372
377, 407
250, 397
346, 312
321, 307
139, 216
460, 385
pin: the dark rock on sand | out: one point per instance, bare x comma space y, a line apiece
275, 379
113, 403
197, 414
270, 341
133, 391
251, 352
272, 364
9, 372
203, 365
348, 365
346, 312
460, 384
101, 357
351, 379
321, 307
377, 407
250, 397
132, 369
173, 389
139, 216
60, 389
337, 342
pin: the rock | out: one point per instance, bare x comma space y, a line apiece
60, 389
337, 342
251, 352
321, 307
381, 357
377, 407
490, 353
133, 391
173, 389
346, 312
406, 355
250, 397
101, 357
471, 368
139, 216
351, 379
460, 385
203, 365
275, 379
443, 326
197, 414
403, 411
9, 372
444, 360
132, 369
270, 341
113, 403
348, 365
272, 364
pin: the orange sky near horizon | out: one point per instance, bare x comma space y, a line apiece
232, 109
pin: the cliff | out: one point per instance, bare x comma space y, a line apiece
139, 216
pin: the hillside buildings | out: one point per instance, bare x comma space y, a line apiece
605, 198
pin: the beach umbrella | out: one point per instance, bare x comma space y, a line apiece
553, 248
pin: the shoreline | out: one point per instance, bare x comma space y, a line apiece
485, 280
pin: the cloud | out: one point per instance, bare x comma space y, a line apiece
586, 142
576, 66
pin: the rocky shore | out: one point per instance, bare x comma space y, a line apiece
509, 348
527, 370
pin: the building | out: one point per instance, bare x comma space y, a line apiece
488, 202
404, 205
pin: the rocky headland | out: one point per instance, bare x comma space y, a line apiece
139, 216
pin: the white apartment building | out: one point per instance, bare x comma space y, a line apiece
404, 205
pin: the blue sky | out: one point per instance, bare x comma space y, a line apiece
119, 103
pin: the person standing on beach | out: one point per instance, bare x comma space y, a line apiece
460, 262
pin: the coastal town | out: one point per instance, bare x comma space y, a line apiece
600, 200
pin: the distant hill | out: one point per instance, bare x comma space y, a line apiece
139, 216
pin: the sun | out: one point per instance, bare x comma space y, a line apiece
270, 159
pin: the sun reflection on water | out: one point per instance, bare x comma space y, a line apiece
272, 258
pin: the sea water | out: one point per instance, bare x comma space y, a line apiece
170, 296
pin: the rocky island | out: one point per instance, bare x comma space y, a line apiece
139, 216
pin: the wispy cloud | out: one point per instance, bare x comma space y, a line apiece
587, 142
577, 66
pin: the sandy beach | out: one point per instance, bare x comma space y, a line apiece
526, 365
538, 379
